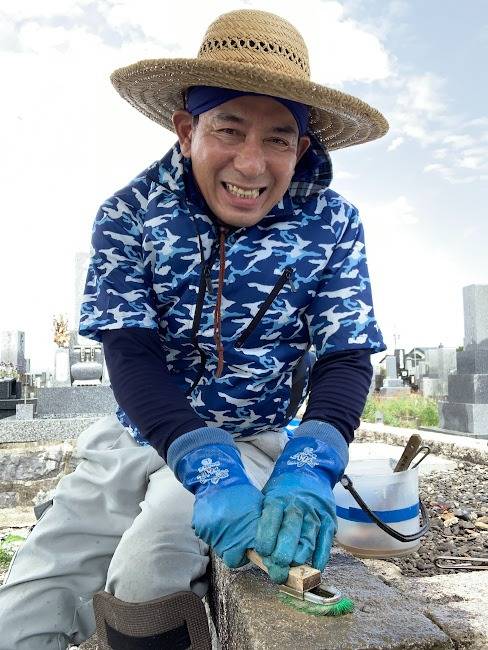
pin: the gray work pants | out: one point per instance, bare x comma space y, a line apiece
119, 522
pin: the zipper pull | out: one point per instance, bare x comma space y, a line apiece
208, 280
289, 276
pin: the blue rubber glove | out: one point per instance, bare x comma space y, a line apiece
298, 522
227, 506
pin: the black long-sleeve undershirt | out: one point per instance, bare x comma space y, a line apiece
145, 390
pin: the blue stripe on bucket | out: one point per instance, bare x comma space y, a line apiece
387, 516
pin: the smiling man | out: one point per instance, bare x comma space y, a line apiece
213, 273
244, 151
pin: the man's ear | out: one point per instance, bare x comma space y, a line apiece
182, 121
303, 145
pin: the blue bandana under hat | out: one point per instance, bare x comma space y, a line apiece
202, 98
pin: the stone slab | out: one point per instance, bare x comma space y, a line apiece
468, 389
472, 361
14, 431
470, 419
387, 391
249, 615
375, 450
23, 465
22, 517
75, 400
454, 602
24, 411
475, 299
454, 447
393, 383
11, 403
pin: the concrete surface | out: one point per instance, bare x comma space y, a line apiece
432, 463
456, 603
454, 447
250, 617
12, 430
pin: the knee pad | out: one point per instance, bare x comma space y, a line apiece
174, 622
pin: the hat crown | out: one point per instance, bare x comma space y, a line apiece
257, 38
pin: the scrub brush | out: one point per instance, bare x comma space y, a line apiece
305, 592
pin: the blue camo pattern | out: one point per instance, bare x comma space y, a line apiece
145, 272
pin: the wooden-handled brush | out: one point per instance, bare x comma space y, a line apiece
305, 591
300, 578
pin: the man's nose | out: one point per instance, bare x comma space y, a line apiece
250, 159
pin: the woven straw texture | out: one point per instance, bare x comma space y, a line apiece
258, 52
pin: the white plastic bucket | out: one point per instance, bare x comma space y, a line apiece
393, 498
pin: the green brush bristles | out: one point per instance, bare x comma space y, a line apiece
344, 606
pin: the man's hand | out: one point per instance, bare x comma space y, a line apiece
298, 522
227, 506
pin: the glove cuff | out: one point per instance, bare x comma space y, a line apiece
326, 433
192, 440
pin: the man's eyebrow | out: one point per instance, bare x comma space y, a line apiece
236, 119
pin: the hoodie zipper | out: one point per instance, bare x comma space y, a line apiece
286, 276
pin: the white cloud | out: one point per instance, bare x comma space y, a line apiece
422, 114
459, 141
470, 162
440, 154
395, 143
421, 94
32, 9
392, 213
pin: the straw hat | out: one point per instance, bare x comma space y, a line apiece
255, 51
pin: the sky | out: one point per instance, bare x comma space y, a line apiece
69, 142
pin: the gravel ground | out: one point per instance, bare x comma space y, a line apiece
457, 502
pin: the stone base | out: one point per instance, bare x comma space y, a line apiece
472, 361
24, 411
469, 419
394, 392
63, 401
432, 387
468, 389
393, 383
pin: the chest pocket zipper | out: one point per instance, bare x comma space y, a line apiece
286, 276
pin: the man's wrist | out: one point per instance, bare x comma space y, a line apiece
325, 432
192, 440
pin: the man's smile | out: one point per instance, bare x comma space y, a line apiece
243, 192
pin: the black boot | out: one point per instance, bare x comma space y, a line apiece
174, 622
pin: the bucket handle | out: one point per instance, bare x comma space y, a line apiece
348, 485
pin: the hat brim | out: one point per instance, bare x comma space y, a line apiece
156, 88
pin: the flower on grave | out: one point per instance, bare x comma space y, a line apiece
8, 371
61, 332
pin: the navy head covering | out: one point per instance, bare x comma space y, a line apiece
202, 98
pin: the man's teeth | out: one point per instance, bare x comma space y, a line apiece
238, 191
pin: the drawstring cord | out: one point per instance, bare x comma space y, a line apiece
218, 306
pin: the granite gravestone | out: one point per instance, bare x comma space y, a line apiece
12, 349
392, 385
466, 409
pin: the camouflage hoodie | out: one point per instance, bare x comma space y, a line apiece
297, 279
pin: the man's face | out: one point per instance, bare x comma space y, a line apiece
243, 156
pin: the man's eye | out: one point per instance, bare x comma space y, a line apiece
227, 131
280, 142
